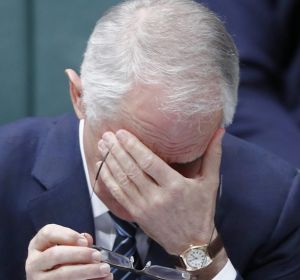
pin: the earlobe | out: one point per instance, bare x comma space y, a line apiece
75, 92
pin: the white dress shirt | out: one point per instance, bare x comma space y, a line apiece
104, 228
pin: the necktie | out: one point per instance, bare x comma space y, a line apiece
125, 245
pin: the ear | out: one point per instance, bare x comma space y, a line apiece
75, 92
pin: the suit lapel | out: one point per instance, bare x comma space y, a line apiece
59, 170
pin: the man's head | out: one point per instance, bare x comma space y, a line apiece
166, 71
175, 45
169, 63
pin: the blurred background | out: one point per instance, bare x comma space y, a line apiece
38, 40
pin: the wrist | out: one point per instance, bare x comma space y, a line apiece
194, 239
205, 260
212, 269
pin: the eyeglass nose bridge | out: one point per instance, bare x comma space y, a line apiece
160, 272
146, 267
148, 264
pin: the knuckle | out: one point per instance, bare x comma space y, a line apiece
29, 266
130, 143
52, 253
104, 269
123, 180
176, 185
157, 201
31, 244
175, 193
116, 193
132, 170
147, 162
45, 231
62, 273
135, 176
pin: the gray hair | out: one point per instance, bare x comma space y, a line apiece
176, 44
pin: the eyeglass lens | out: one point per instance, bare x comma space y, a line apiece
154, 271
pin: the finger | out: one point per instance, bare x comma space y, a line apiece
121, 178
212, 157
83, 271
62, 255
53, 234
150, 163
131, 171
117, 193
89, 238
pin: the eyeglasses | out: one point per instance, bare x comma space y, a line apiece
153, 271
97, 174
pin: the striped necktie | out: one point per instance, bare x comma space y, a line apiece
125, 245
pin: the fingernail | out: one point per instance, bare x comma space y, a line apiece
96, 256
102, 146
82, 241
105, 268
108, 138
121, 135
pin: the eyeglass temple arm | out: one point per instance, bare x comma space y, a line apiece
99, 169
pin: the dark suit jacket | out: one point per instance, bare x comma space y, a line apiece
267, 35
42, 181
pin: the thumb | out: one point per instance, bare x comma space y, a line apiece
212, 157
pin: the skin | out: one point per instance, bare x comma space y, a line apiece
58, 252
162, 170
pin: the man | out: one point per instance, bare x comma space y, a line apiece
158, 82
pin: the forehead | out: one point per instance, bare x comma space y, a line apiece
145, 102
172, 137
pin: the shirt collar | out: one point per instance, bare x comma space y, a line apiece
98, 206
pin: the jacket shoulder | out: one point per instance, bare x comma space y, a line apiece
20, 141
258, 191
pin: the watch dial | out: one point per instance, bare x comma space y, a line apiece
197, 258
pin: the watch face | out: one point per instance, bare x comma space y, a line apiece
197, 258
